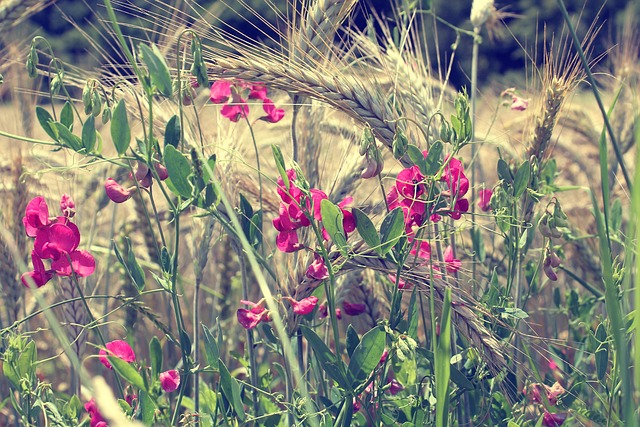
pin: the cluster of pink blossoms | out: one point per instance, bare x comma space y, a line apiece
119, 194
56, 239
409, 193
553, 393
257, 313
234, 96
297, 210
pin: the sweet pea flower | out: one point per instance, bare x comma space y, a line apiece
40, 276
252, 317
96, 417
409, 183
353, 309
484, 200
236, 109
317, 270
452, 264
274, 115
304, 306
67, 206
170, 380
115, 192
36, 216
117, 348
395, 387
519, 104
220, 91
553, 420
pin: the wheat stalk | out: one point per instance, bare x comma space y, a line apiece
12, 12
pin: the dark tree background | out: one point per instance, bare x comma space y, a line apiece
500, 56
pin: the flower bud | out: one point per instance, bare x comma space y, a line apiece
115, 192
67, 206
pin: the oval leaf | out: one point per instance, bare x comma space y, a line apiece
434, 159
126, 371
366, 229
89, 133
172, 132
120, 131
521, 181
179, 170
332, 220
158, 69
391, 230
44, 118
231, 390
366, 356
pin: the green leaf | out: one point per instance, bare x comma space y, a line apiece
44, 118
434, 159
179, 170
277, 155
366, 229
602, 352
67, 138
413, 314
172, 132
332, 220
504, 173
442, 362
367, 355
158, 69
478, 244
66, 115
127, 372
211, 348
417, 158
166, 260
147, 408
231, 390
521, 181
89, 133
120, 131
352, 340
391, 230
346, 413
135, 271
155, 354
332, 365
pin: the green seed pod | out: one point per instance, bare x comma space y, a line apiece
56, 83
106, 115
32, 62
86, 98
96, 103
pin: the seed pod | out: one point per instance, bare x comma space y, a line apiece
554, 259
106, 115
86, 98
96, 103
32, 62
543, 225
548, 270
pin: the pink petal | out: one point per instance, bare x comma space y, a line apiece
317, 270
484, 199
56, 240
220, 92
117, 348
353, 309
304, 306
82, 262
36, 216
274, 115
287, 241
67, 206
170, 380
115, 192
248, 319
258, 91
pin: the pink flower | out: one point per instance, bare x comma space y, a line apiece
323, 311
82, 264
304, 306
518, 103
353, 309
170, 380
94, 413
36, 216
287, 241
115, 192
40, 276
338, 314
409, 183
117, 348
236, 109
258, 91
484, 199
161, 170
220, 91
249, 319
274, 115
317, 270
67, 206
452, 264
553, 420
293, 192
348, 220
56, 240
395, 387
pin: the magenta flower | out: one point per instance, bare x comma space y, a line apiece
317, 270
518, 103
409, 183
170, 380
258, 91
274, 115
353, 309
553, 420
40, 276
291, 194
304, 306
236, 109
251, 318
67, 206
220, 91
452, 264
116, 192
395, 387
96, 417
484, 200
118, 348
36, 216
